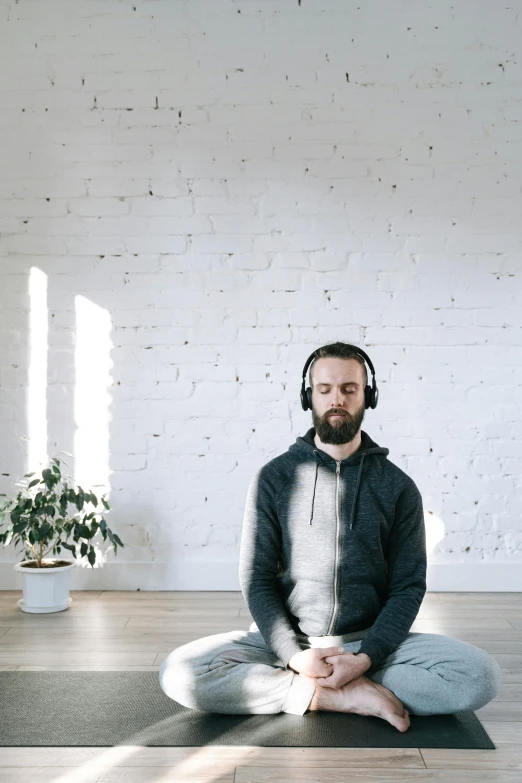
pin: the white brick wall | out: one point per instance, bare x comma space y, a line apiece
237, 182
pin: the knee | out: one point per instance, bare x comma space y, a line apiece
493, 676
167, 675
174, 677
487, 679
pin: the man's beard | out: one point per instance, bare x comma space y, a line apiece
338, 431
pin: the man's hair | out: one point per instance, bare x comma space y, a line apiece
337, 351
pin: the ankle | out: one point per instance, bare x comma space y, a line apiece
323, 698
329, 698
313, 700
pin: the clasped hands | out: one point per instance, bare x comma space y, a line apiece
329, 667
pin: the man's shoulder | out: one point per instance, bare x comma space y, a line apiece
398, 479
275, 473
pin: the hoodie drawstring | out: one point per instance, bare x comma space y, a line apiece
315, 484
359, 474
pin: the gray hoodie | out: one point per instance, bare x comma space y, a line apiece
332, 547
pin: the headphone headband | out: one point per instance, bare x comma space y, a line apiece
371, 393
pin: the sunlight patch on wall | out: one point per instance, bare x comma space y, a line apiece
435, 531
91, 396
37, 372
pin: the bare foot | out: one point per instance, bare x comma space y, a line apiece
363, 697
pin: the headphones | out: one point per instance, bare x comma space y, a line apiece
371, 393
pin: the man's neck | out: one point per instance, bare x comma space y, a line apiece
341, 451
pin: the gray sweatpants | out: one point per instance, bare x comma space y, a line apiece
235, 673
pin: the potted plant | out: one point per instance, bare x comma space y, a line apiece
39, 519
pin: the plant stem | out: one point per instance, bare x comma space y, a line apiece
35, 553
42, 555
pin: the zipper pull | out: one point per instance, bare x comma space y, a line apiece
338, 467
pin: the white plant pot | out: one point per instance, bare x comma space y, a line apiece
45, 589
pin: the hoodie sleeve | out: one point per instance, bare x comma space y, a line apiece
259, 557
407, 564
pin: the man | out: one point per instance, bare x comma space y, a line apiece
333, 571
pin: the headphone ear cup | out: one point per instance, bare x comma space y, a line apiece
375, 397
304, 401
309, 398
368, 397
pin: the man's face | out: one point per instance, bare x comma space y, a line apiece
338, 388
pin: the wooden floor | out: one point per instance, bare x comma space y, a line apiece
135, 630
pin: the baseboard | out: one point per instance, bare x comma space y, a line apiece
185, 575
200, 575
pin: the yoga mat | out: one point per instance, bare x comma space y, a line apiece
108, 708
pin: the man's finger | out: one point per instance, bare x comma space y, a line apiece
333, 651
326, 682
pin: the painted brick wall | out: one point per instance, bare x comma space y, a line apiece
229, 184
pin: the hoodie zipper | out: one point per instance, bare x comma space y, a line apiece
338, 471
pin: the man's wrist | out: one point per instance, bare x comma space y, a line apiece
366, 658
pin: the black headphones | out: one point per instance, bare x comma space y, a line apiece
371, 393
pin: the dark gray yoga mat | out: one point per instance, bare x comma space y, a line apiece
103, 709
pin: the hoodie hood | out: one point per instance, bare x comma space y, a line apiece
304, 445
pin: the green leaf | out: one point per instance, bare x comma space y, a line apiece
83, 549
33, 482
117, 539
91, 557
45, 530
48, 478
85, 531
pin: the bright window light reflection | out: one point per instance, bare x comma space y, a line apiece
92, 399
37, 372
